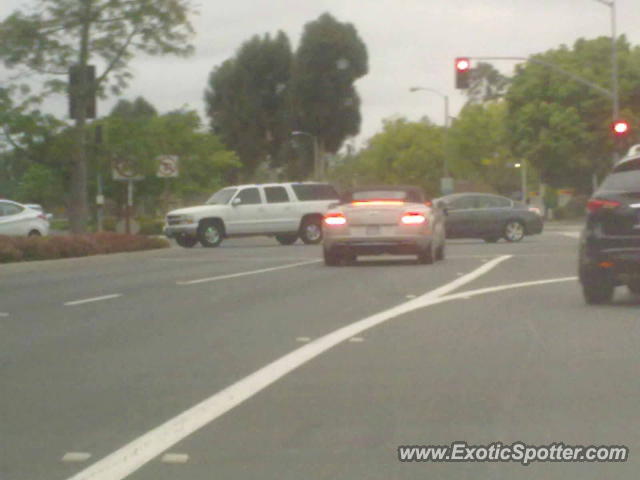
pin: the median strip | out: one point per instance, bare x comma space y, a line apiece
244, 274
93, 299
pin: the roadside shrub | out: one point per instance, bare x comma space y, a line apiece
61, 224
109, 224
150, 226
8, 252
15, 249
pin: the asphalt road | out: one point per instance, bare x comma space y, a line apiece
255, 361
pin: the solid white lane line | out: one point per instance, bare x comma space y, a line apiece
244, 274
75, 457
138, 452
500, 288
175, 458
94, 299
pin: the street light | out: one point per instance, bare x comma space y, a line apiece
318, 168
523, 179
614, 57
445, 166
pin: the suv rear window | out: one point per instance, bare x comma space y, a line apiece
315, 192
625, 178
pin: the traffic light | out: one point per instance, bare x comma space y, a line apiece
79, 77
620, 128
463, 72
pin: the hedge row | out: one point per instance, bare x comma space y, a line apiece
17, 249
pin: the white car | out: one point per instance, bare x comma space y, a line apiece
287, 211
19, 220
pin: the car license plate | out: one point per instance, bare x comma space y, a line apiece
373, 230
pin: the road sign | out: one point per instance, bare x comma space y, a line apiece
447, 185
123, 169
167, 166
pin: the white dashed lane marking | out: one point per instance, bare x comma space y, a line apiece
175, 458
244, 274
91, 300
76, 457
4, 314
356, 339
303, 339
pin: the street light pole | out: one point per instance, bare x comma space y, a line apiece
445, 163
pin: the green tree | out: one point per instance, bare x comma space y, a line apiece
205, 163
330, 58
403, 153
55, 34
246, 100
562, 126
139, 108
486, 84
479, 148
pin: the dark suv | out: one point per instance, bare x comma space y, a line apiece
610, 241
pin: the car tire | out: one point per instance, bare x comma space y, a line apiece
210, 233
597, 286
186, 241
491, 239
287, 239
513, 231
634, 287
34, 233
311, 230
331, 258
426, 255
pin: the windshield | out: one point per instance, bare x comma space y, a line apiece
222, 197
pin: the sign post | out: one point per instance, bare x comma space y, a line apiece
123, 170
168, 167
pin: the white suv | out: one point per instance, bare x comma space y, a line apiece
287, 211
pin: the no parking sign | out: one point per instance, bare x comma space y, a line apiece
167, 166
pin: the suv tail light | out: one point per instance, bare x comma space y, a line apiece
413, 218
535, 210
596, 204
335, 219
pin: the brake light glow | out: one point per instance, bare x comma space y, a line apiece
335, 219
413, 218
361, 203
42, 216
535, 210
596, 204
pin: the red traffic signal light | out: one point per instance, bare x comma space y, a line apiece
620, 128
463, 72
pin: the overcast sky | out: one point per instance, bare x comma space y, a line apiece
410, 42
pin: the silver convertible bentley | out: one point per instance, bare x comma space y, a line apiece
383, 220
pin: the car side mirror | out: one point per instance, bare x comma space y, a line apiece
235, 202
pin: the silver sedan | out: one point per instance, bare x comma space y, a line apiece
383, 220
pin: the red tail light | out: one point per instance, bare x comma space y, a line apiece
596, 204
42, 216
413, 218
335, 219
